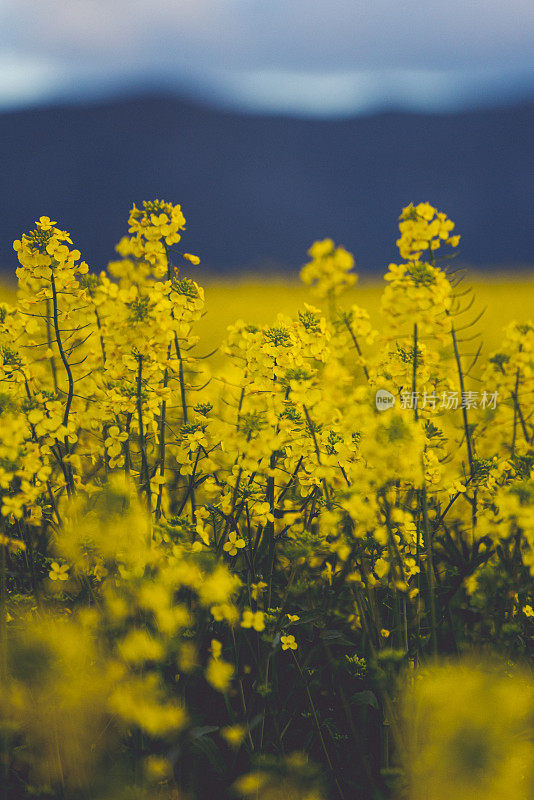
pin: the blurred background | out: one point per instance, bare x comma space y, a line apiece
272, 123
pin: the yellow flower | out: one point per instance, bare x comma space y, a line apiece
422, 228
193, 259
58, 573
233, 735
12, 544
250, 784
288, 642
157, 767
219, 674
322, 248
139, 646
330, 271
45, 223
99, 572
216, 588
187, 657
468, 733
256, 589
253, 619
233, 544
216, 649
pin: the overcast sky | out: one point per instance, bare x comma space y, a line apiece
322, 57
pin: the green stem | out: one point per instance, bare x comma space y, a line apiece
145, 476
99, 326
52, 360
318, 454
318, 725
70, 379
414, 374
357, 346
181, 378
429, 570
162, 417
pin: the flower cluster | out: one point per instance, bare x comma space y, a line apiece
209, 564
330, 270
423, 227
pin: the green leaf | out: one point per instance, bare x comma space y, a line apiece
336, 637
203, 730
365, 698
209, 749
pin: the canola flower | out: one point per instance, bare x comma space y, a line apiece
58, 572
288, 642
177, 520
469, 733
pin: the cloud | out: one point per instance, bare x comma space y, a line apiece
26, 79
343, 93
345, 51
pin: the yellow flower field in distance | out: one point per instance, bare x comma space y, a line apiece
258, 300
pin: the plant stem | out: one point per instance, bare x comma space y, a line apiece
145, 476
70, 379
429, 569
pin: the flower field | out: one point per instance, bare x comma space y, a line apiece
257, 553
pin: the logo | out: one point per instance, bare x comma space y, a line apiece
384, 400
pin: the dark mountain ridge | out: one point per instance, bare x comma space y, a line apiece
257, 190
